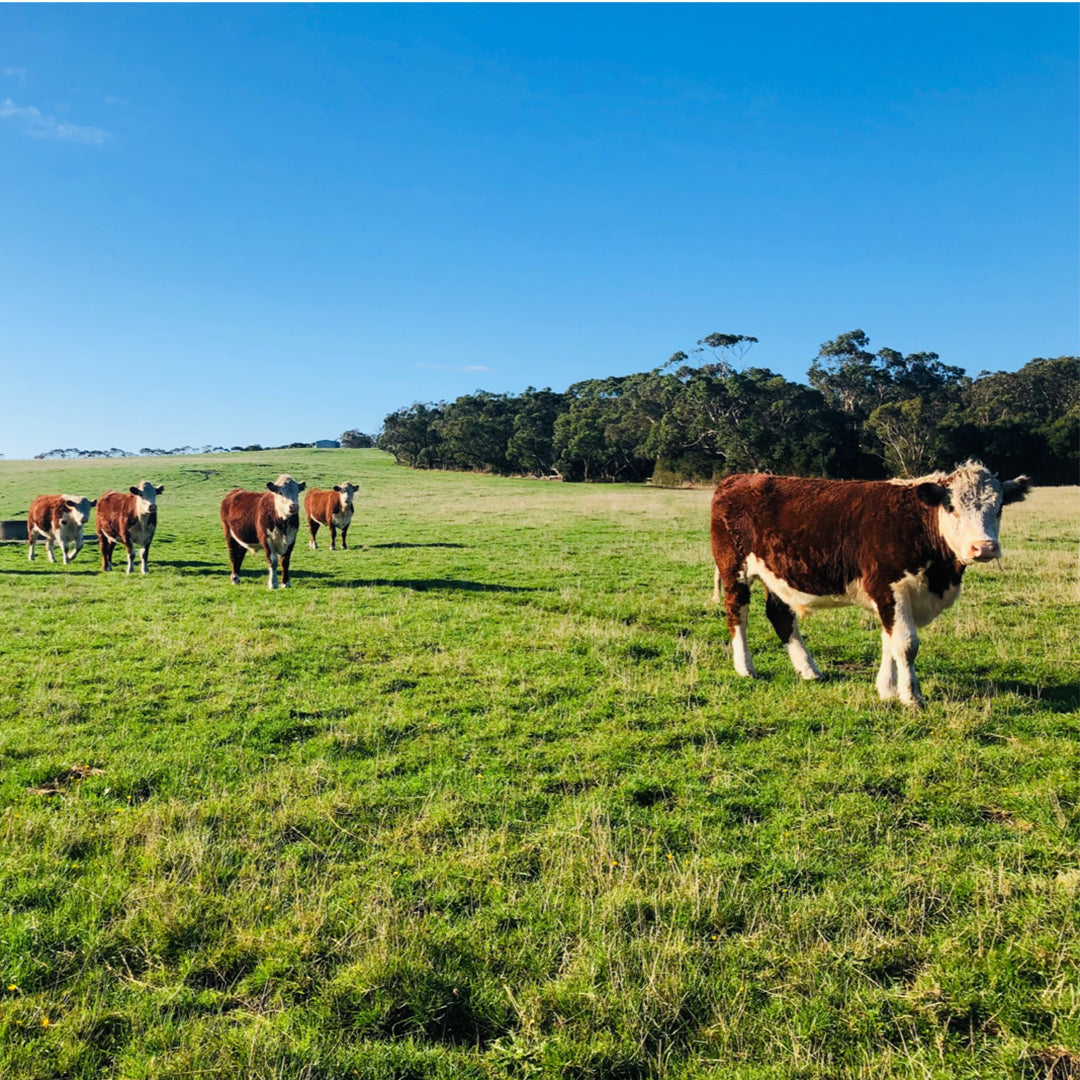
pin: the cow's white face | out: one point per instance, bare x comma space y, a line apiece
346, 491
76, 510
287, 494
146, 494
969, 502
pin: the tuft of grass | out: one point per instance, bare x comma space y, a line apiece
482, 797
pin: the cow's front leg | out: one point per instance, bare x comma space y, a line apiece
49, 549
144, 558
272, 560
344, 530
886, 676
285, 559
64, 552
333, 535
900, 646
130, 548
786, 626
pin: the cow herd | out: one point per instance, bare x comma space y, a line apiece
266, 521
897, 548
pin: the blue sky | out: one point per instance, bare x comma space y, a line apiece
234, 224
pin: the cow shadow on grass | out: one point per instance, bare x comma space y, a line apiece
76, 571
212, 569
432, 585
1045, 697
400, 544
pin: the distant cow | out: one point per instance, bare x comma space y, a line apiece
332, 508
130, 519
266, 520
58, 519
897, 548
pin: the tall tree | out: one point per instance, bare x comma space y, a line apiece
531, 447
410, 434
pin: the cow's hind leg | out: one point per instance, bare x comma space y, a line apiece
786, 625
737, 609
313, 525
237, 551
105, 547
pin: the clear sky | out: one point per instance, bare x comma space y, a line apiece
235, 224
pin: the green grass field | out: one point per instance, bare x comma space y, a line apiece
482, 797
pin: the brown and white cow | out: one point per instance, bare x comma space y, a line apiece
333, 508
897, 548
267, 520
128, 518
58, 519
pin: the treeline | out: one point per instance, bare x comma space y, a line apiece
703, 415
351, 438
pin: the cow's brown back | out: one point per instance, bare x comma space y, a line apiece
44, 513
321, 505
822, 535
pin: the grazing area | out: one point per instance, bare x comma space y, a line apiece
482, 796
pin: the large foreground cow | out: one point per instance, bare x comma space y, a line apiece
266, 520
332, 508
896, 548
128, 518
58, 519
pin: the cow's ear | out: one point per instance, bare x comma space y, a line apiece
134, 491
160, 489
271, 486
301, 485
93, 503
1014, 490
338, 488
932, 494
71, 504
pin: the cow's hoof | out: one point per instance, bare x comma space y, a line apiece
235, 579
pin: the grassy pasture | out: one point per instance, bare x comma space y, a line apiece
482, 797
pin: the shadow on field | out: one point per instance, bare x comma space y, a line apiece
1058, 698
78, 571
431, 585
400, 544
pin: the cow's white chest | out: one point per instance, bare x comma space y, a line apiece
280, 540
925, 605
142, 530
341, 518
800, 601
